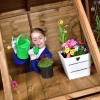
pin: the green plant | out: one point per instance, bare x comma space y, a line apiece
96, 10
63, 30
45, 62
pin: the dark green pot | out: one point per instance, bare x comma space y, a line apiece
47, 72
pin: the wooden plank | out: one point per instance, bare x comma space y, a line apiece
88, 34
78, 83
5, 72
21, 80
94, 78
50, 89
51, 86
66, 86
92, 97
35, 9
21, 91
2, 97
35, 90
82, 93
13, 26
51, 6
58, 98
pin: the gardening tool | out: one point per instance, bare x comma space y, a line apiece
22, 46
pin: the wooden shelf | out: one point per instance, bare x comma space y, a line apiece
32, 85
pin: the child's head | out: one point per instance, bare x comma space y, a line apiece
38, 37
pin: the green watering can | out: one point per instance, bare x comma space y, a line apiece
22, 46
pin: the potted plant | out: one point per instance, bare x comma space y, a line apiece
75, 56
46, 68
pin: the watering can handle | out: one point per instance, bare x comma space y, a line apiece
20, 37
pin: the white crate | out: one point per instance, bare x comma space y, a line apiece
77, 66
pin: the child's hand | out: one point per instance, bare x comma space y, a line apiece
32, 54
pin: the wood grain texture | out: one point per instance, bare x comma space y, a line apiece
13, 27
5, 72
32, 86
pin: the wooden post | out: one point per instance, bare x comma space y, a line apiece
88, 34
5, 72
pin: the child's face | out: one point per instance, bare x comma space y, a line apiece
38, 39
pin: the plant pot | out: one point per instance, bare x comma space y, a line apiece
47, 72
77, 66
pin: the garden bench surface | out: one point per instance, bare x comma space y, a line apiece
32, 85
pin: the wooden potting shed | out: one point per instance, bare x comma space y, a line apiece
31, 86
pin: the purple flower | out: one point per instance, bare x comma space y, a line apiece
95, 2
92, 9
98, 2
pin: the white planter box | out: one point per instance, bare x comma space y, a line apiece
77, 66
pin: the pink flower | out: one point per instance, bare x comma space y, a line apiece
68, 55
64, 45
71, 43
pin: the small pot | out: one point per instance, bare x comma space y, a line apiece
47, 72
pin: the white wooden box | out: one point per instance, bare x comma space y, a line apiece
77, 66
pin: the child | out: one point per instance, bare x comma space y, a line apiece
38, 39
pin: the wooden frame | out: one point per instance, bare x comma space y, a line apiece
5, 72
92, 46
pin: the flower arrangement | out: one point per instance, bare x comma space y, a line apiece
70, 47
73, 48
75, 58
95, 9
